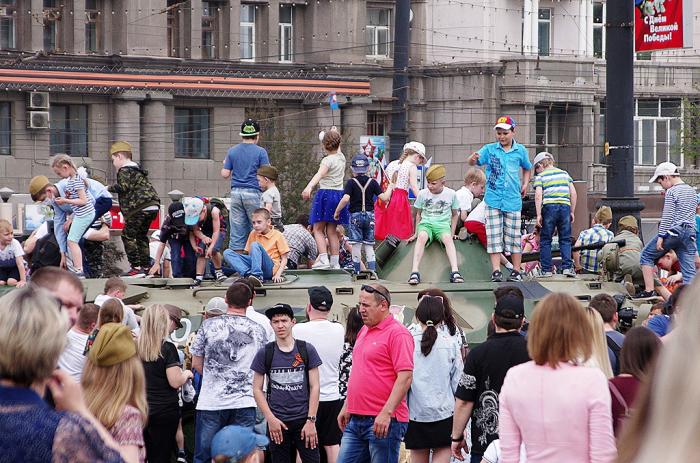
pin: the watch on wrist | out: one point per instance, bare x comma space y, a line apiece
311, 418
459, 439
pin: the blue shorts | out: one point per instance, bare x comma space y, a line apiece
78, 227
219, 243
361, 228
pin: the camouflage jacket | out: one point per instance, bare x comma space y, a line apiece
134, 189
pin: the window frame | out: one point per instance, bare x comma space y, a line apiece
173, 38
600, 26
548, 23
652, 122
251, 25
374, 30
10, 7
211, 28
376, 120
52, 17
6, 128
67, 144
286, 56
93, 16
190, 142
548, 134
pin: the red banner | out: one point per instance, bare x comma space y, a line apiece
118, 220
658, 24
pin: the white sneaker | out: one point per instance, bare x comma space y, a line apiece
334, 266
321, 264
569, 272
546, 274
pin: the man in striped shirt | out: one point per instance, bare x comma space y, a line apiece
677, 227
555, 201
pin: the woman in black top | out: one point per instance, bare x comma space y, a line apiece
164, 377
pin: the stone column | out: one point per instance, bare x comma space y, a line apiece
36, 26
273, 32
196, 29
125, 120
156, 142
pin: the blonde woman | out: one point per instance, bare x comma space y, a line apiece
599, 356
553, 404
32, 337
115, 388
163, 378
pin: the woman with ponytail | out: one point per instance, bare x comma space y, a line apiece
436, 372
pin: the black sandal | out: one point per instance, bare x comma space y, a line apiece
414, 279
455, 277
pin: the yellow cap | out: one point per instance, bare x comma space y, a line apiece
37, 185
435, 172
628, 221
113, 344
603, 215
118, 147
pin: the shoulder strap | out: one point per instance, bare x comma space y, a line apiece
304, 353
362, 189
612, 345
269, 354
618, 396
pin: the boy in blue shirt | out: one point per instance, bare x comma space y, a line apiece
504, 161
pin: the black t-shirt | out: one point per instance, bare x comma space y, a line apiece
160, 396
484, 370
355, 192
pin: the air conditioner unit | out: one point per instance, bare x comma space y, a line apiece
39, 100
38, 120
3, 11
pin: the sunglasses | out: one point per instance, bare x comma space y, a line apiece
429, 297
372, 290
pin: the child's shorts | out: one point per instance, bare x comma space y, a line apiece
477, 228
219, 243
361, 228
502, 231
435, 230
323, 207
79, 227
9, 272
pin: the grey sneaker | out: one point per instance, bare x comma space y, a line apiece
546, 274
515, 276
220, 277
569, 272
497, 276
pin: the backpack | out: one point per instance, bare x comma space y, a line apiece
46, 253
612, 345
223, 210
270, 352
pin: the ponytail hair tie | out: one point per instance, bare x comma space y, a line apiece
429, 323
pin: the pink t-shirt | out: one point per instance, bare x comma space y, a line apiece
380, 353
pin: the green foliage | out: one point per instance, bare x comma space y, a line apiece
110, 259
690, 138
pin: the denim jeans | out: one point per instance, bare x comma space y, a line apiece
555, 216
243, 202
681, 239
182, 259
209, 422
360, 446
256, 263
361, 229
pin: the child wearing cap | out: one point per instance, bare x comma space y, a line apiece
271, 199
330, 181
505, 161
139, 203
555, 201
677, 227
236, 444
241, 165
437, 215
174, 233
397, 220
206, 235
588, 261
360, 192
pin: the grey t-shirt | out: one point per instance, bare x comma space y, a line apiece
289, 393
272, 195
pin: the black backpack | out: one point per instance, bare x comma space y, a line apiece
612, 345
47, 252
270, 352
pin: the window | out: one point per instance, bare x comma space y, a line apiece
248, 32
377, 123
210, 13
598, 29
174, 13
69, 129
602, 131
192, 133
5, 128
286, 33
544, 25
657, 130
378, 32
7, 24
92, 26
544, 135
52, 25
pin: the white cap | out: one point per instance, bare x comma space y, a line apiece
192, 206
664, 169
416, 146
541, 157
216, 306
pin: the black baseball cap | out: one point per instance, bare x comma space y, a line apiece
279, 309
320, 298
510, 306
176, 211
249, 128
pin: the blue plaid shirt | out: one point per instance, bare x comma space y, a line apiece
595, 234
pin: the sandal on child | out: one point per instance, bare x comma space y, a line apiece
414, 279
455, 277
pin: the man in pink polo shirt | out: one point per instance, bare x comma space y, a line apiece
375, 416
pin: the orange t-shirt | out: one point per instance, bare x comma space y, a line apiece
273, 242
